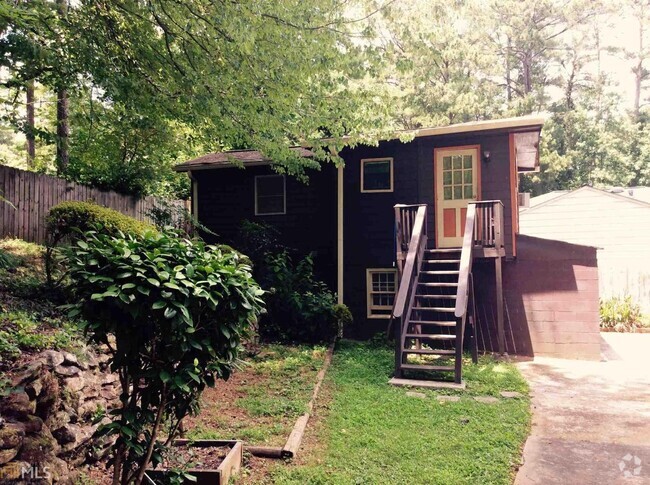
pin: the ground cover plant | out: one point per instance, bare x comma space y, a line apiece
370, 432
261, 401
30, 320
622, 314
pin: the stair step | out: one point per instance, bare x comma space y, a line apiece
441, 309
442, 261
441, 272
429, 351
430, 336
436, 297
440, 323
438, 284
427, 367
446, 250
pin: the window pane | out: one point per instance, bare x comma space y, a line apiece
467, 176
446, 163
458, 192
270, 194
446, 178
458, 177
467, 161
376, 175
273, 185
457, 161
468, 192
447, 193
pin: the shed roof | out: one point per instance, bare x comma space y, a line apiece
254, 157
230, 158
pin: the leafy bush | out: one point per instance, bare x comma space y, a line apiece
173, 313
71, 219
620, 314
166, 215
257, 240
299, 308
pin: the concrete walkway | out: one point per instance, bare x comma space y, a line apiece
591, 420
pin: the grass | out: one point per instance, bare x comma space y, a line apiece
262, 400
374, 433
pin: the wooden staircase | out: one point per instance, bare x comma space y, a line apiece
435, 299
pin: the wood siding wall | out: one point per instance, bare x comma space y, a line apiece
33, 195
551, 301
226, 197
368, 219
617, 226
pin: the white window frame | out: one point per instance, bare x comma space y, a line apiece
369, 293
381, 159
284, 195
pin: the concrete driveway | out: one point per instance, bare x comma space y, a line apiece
591, 420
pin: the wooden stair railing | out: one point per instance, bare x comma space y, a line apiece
411, 226
465, 292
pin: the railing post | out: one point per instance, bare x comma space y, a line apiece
397, 330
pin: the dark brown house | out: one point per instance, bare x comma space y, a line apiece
424, 231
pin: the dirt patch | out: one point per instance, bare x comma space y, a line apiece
261, 401
196, 457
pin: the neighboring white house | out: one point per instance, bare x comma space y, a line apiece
616, 221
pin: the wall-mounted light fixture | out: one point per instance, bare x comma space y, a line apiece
486, 156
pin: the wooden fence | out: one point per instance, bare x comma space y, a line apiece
29, 196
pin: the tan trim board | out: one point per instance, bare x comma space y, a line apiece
379, 159
339, 236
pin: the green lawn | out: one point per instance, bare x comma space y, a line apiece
374, 433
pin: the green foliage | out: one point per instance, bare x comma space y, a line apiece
173, 312
299, 308
72, 217
22, 331
620, 314
257, 240
8, 260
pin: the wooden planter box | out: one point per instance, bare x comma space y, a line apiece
229, 467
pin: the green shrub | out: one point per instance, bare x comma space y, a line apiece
69, 220
257, 240
299, 308
173, 313
620, 314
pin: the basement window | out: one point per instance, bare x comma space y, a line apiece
270, 195
381, 288
377, 175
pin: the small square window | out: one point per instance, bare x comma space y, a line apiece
270, 195
377, 175
381, 289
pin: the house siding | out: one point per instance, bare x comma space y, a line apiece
226, 197
369, 217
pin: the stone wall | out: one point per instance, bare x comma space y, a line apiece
47, 422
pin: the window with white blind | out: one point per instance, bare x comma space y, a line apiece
270, 195
381, 289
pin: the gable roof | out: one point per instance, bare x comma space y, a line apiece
544, 199
254, 157
232, 158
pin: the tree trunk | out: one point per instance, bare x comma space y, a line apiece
62, 122
62, 131
638, 70
30, 132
